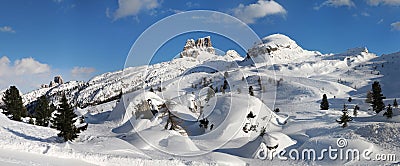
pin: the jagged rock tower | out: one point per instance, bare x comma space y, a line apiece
192, 48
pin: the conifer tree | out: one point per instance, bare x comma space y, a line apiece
355, 110
389, 112
395, 103
43, 111
377, 97
210, 93
345, 117
324, 103
64, 121
225, 86
13, 105
226, 74
251, 92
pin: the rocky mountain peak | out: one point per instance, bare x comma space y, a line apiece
56, 81
192, 48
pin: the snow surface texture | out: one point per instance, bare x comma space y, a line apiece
292, 79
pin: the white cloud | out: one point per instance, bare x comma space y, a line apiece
250, 13
396, 26
384, 2
336, 3
30, 66
380, 21
7, 29
27, 73
133, 7
82, 71
365, 14
191, 4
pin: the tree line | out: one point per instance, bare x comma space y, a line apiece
61, 117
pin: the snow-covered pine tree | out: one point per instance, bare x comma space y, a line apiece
324, 103
345, 117
13, 105
395, 105
43, 111
64, 121
377, 97
389, 112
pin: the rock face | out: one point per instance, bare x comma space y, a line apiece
192, 48
56, 81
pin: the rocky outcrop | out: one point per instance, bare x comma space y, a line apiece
192, 48
58, 80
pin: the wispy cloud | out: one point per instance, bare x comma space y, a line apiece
383, 2
395, 26
79, 72
250, 13
380, 21
132, 8
7, 29
336, 3
365, 14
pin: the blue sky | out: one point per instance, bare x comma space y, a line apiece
79, 39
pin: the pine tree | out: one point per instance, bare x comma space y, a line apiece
345, 117
389, 112
43, 111
210, 93
226, 75
350, 99
377, 97
64, 121
324, 103
13, 105
369, 97
355, 110
251, 92
395, 103
225, 86
151, 89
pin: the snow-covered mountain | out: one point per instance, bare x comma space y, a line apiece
201, 85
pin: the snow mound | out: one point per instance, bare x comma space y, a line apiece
125, 109
279, 40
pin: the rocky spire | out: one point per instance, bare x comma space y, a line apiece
192, 48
